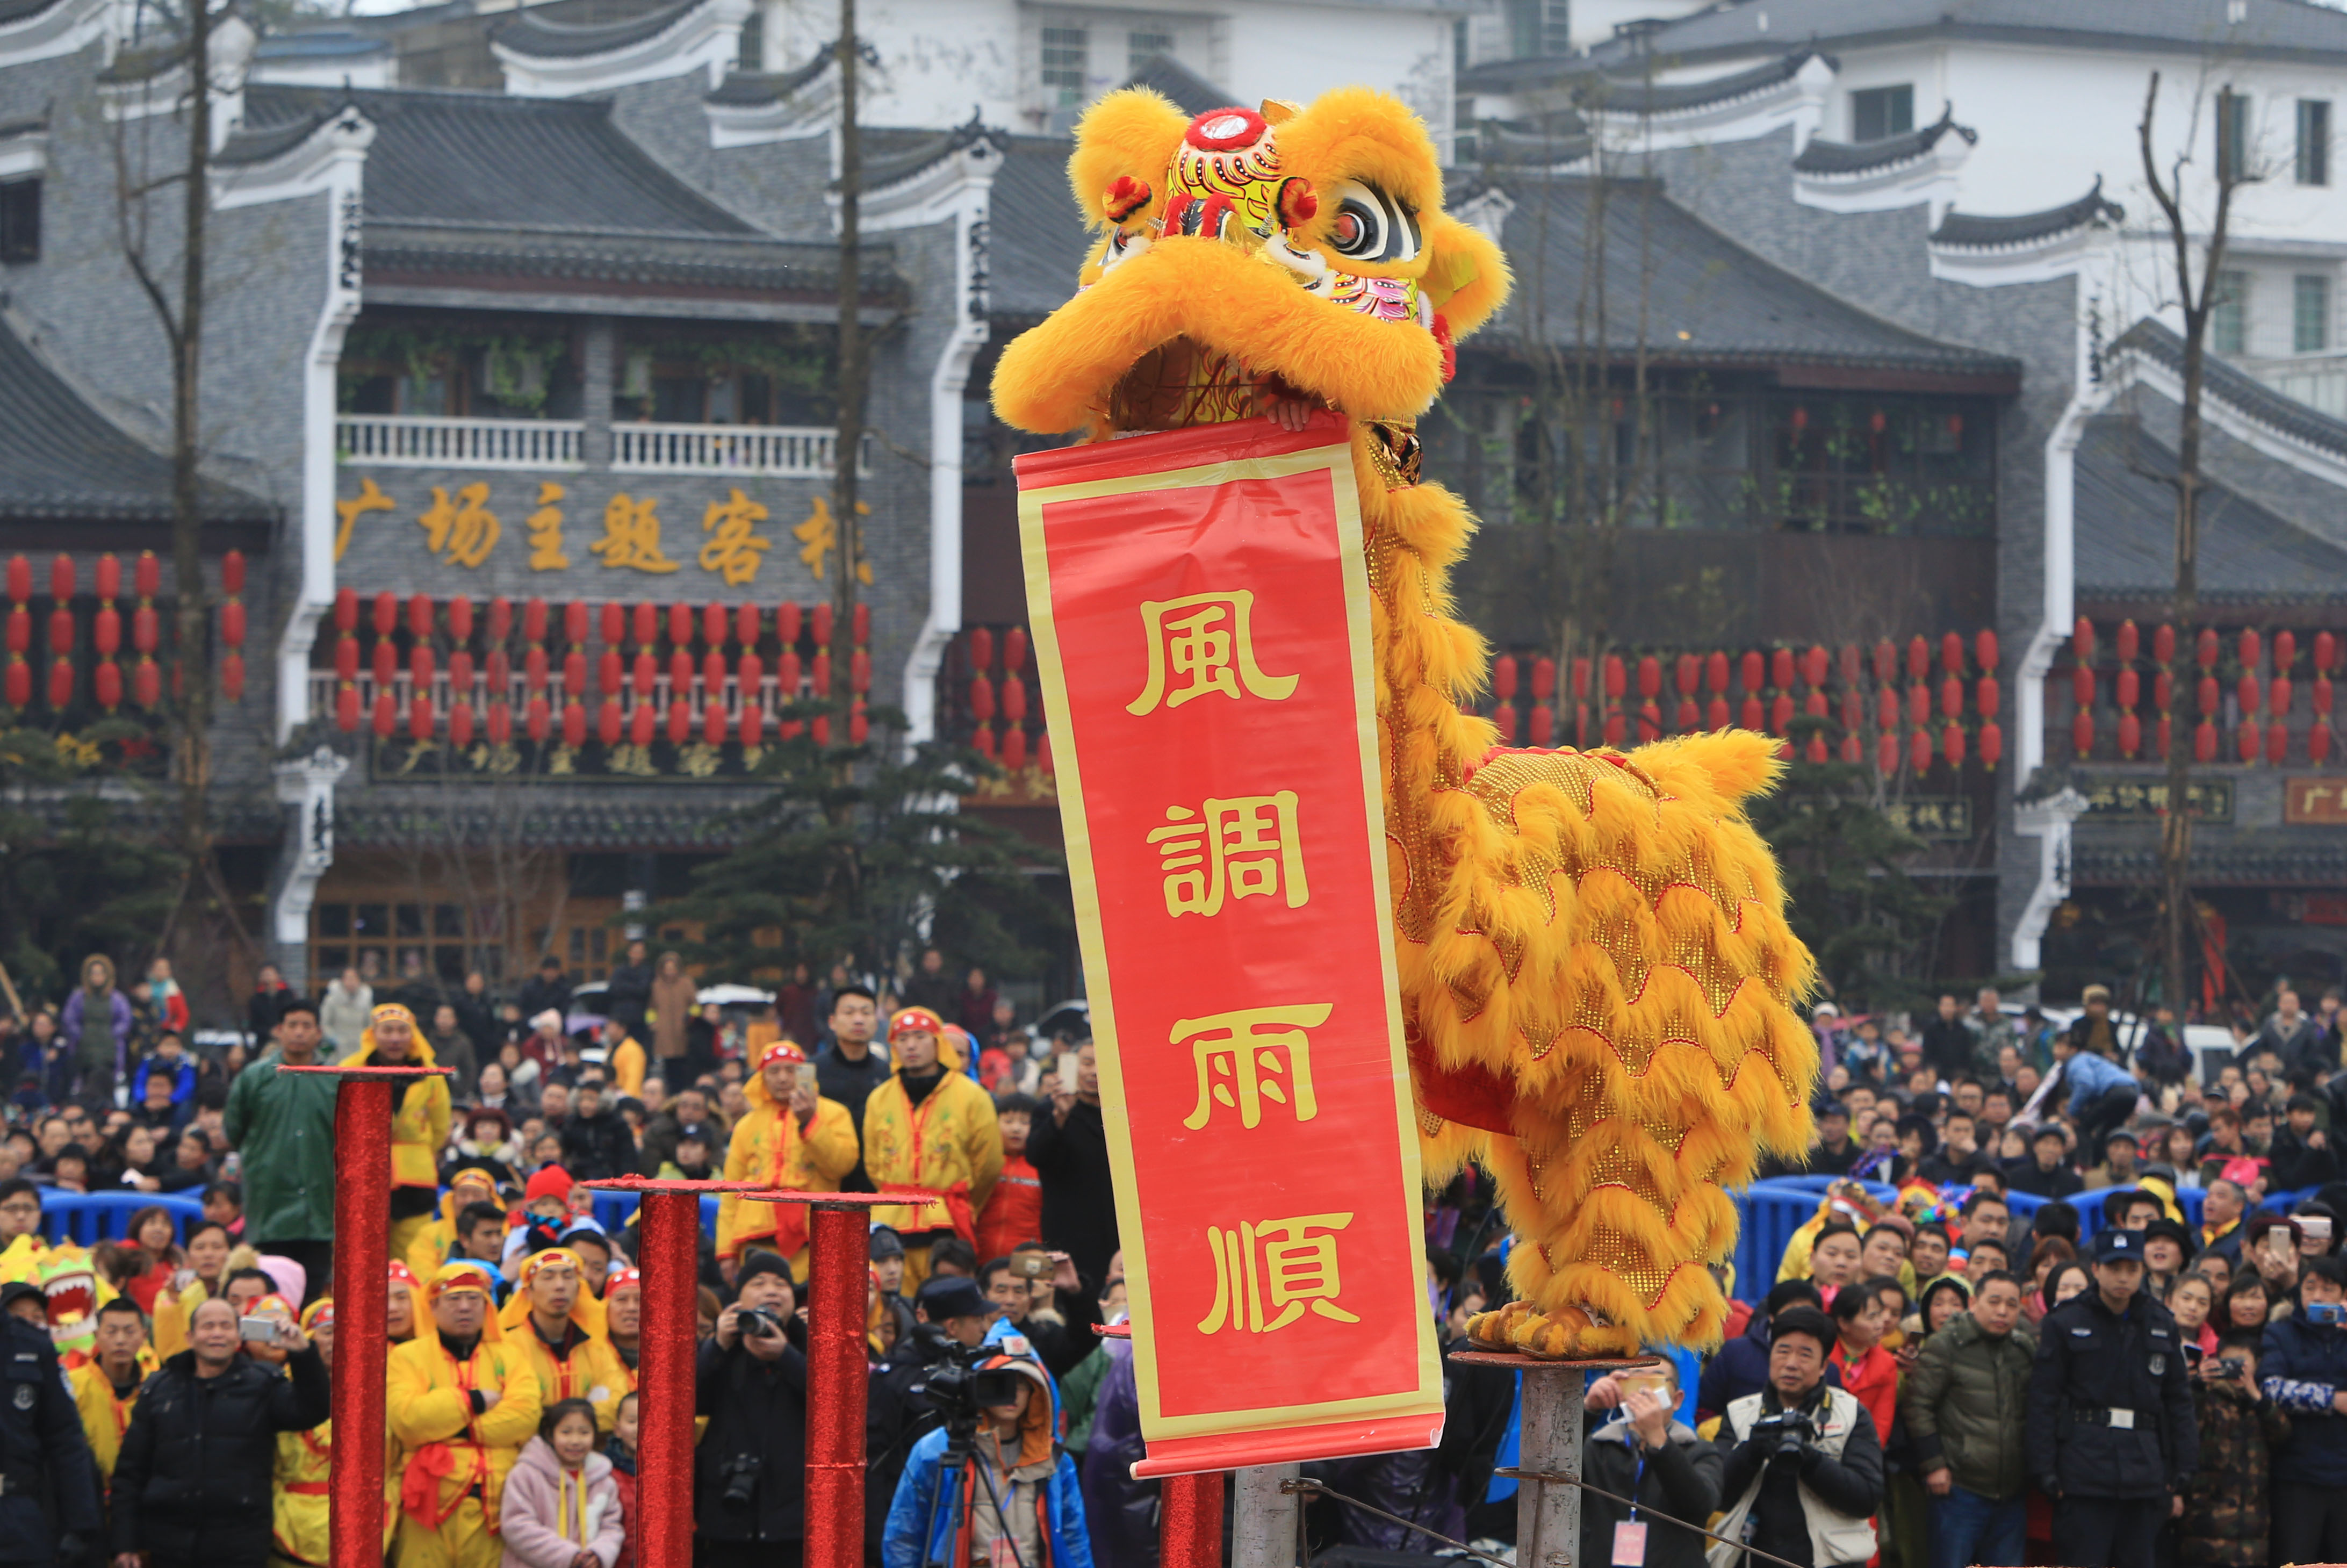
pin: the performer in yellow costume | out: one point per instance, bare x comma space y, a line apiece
792, 1139
929, 1127
106, 1387
300, 1502
556, 1325
1596, 976
419, 1124
436, 1242
462, 1403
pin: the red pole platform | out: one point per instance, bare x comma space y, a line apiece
839, 1264
670, 1250
361, 1288
1190, 1521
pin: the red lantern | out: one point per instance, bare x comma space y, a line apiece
500, 722
1780, 714
2204, 648
1754, 672
862, 627
789, 676
2250, 646
2129, 689
2129, 641
646, 673
537, 718
983, 740
147, 690
1504, 719
146, 627
1544, 727
680, 720
2208, 696
2250, 742
2163, 645
1952, 654
346, 658
1853, 710
20, 578
2130, 735
574, 676
2318, 740
981, 699
747, 624
1688, 675
2320, 694
460, 625
1951, 739
1918, 658
712, 675
750, 679
61, 578
1886, 753
2277, 744
1689, 717
419, 716
1503, 677
2082, 640
1919, 751
1616, 678
1887, 706
61, 631
614, 628
1849, 664
1816, 749
680, 675
786, 628
1715, 716
752, 725
501, 619
610, 723
1780, 668
386, 662
575, 622
533, 670
2285, 650
821, 620
1544, 679
1615, 727
1952, 697
1714, 672
2163, 690
419, 667
680, 624
1991, 745
2326, 653
347, 704
534, 620
1853, 750
232, 571
2249, 692
107, 682
647, 624
2082, 732
2082, 685
2281, 696
1014, 700
232, 671
2204, 741
1886, 666
860, 672
105, 631
1987, 697
387, 613
713, 622
1014, 745
1816, 665
574, 723
1014, 646
460, 725
1650, 677
386, 713
821, 729
460, 676
1753, 717
712, 723
419, 615
498, 669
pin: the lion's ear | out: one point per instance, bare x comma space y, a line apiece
1124, 142
1466, 275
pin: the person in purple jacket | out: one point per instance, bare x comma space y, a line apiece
96, 1025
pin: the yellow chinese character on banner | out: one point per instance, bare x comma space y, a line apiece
1244, 847
819, 535
1275, 1265
1207, 641
545, 525
462, 534
736, 552
631, 535
1242, 1057
370, 499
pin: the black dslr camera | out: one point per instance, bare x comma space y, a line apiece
959, 1389
759, 1323
1782, 1435
740, 1474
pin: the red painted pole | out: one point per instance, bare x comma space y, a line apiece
665, 1377
839, 1261
1190, 1521
361, 1288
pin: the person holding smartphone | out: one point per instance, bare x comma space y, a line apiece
2303, 1371
2227, 1511
793, 1139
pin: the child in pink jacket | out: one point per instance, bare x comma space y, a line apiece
561, 1507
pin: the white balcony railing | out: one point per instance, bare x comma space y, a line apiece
800, 451
421, 441
769, 697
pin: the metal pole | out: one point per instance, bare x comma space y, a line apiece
1265, 1527
362, 1291
1190, 1521
671, 1269
838, 1265
1548, 1514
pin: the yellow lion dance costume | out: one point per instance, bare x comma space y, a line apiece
1596, 976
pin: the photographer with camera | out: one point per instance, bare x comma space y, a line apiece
2110, 1434
2228, 1507
1804, 1461
749, 1494
950, 1317
992, 1486
2304, 1372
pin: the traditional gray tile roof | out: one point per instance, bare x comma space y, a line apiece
1831, 158
1629, 95
529, 33
62, 460
2267, 28
1037, 238
1554, 140
450, 157
890, 155
1709, 301
1971, 231
2125, 526
19, 10
751, 89
559, 818
2247, 394
2300, 860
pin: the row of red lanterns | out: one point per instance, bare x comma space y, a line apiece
613, 721
1929, 712
1005, 694
107, 685
2253, 691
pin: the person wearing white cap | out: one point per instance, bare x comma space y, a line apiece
1016, 1501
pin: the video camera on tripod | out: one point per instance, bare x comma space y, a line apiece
962, 1388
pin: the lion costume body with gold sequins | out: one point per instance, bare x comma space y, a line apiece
1596, 976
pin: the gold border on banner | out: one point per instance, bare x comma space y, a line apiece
1335, 460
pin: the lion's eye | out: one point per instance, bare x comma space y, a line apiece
1370, 226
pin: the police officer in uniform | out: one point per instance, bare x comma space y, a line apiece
49, 1483
2111, 1428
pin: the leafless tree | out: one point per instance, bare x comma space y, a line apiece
2199, 285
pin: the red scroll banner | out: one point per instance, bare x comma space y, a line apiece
1202, 623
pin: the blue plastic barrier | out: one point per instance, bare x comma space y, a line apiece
614, 1210
2090, 1207
1771, 1212
89, 1218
